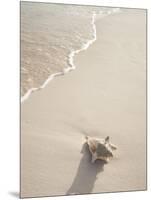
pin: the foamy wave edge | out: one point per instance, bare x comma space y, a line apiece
71, 56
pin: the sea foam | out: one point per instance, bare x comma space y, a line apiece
73, 52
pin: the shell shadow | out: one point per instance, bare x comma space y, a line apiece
86, 175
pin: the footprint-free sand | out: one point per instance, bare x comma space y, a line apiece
104, 95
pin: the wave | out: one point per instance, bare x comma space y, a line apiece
71, 63
71, 55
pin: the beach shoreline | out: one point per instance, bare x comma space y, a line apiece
70, 61
105, 95
71, 55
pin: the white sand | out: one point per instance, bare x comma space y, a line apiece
105, 95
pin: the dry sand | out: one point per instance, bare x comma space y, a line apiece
105, 95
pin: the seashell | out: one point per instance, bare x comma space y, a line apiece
100, 149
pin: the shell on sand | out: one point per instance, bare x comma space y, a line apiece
100, 148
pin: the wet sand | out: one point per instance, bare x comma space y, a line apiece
105, 95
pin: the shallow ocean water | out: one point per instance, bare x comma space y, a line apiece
49, 35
